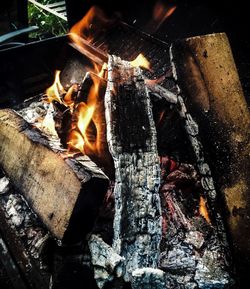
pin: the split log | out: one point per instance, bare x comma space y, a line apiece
64, 191
207, 76
131, 137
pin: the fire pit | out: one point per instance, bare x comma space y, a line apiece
106, 178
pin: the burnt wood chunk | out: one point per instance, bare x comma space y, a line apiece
131, 137
207, 76
56, 186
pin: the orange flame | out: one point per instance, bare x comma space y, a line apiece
84, 117
140, 61
54, 91
160, 13
84, 114
203, 209
88, 25
68, 98
76, 141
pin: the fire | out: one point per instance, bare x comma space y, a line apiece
84, 114
68, 98
203, 209
87, 25
54, 91
76, 141
161, 12
140, 61
84, 117
82, 35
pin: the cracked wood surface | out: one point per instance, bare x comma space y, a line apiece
132, 142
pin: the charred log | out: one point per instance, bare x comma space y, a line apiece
131, 137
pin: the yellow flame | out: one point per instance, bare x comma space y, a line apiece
76, 141
89, 25
68, 99
140, 61
84, 118
56, 89
203, 210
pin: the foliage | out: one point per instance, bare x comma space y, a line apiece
49, 24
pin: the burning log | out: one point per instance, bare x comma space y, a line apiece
131, 138
64, 191
207, 76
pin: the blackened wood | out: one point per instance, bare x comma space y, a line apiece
131, 137
207, 75
25, 238
63, 122
9, 267
50, 181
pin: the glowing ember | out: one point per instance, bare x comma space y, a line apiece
203, 210
140, 61
54, 91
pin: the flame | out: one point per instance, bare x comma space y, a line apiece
161, 12
84, 118
54, 91
84, 114
68, 98
203, 209
76, 141
140, 61
88, 24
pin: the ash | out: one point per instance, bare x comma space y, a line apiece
192, 255
23, 220
190, 251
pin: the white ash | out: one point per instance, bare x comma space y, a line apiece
13, 210
180, 258
107, 263
195, 238
25, 222
208, 275
35, 111
4, 185
148, 278
41, 114
102, 277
